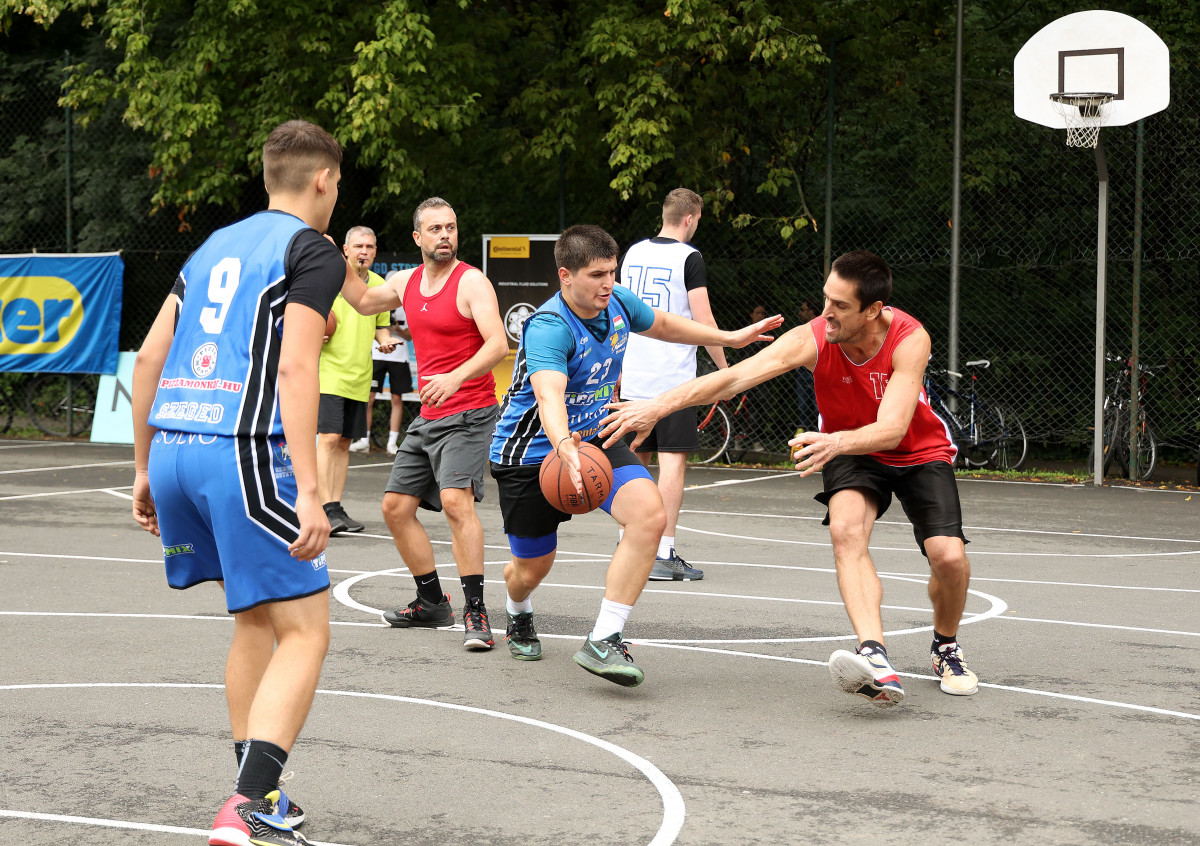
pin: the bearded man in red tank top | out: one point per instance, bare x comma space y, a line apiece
458, 337
878, 438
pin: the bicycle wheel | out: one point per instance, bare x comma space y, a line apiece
713, 433
61, 404
1008, 452
1147, 448
1114, 432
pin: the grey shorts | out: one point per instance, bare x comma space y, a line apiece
447, 453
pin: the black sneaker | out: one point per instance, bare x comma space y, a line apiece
337, 518
674, 569
477, 634
609, 658
352, 525
422, 614
522, 637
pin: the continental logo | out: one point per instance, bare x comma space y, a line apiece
41, 314
178, 549
514, 248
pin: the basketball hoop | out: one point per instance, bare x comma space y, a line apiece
1083, 114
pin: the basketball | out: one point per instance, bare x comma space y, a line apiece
597, 481
330, 324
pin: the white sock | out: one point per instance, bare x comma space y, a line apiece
522, 607
611, 620
392, 436
666, 546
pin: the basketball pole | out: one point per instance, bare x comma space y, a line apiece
1101, 259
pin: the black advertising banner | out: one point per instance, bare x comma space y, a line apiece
524, 274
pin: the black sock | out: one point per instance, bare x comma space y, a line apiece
429, 587
262, 765
940, 640
472, 588
239, 750
874, 646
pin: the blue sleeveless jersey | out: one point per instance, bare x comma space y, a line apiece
220, 375
592, 373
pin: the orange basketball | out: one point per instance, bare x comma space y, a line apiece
597, 481
330, 324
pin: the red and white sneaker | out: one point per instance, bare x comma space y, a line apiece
869, 675
253, 822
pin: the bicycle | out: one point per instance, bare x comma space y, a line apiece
723, 430
61, 404
984, 434
1116, 439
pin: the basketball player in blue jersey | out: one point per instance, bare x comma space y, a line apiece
225, 419
566, 370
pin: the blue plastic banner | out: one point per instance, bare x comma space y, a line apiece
60, 313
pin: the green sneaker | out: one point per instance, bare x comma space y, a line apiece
609, 659
522, 637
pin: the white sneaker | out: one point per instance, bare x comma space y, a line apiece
361, 445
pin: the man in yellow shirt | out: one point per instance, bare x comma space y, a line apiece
346, 383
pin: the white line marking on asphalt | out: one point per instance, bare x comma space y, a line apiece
674, 810
65, 467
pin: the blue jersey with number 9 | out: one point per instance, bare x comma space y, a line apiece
220, 375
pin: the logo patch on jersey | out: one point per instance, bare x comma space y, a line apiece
282, 451
178, 549
204, 360
618, 323
318, 563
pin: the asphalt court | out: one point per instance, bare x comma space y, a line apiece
1082, 625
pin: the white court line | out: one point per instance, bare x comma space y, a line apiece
906, 525
66, 493
737, 653
674, 810
1010, 688
94, 821
65, 467
974, 552
35, 445
726, 482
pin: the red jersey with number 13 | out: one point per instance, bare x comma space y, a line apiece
444, 339
848, 396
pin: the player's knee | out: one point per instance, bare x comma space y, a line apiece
459, 507
847, 534
397, 508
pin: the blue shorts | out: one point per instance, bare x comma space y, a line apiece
226, 512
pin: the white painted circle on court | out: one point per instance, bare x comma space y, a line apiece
673, 807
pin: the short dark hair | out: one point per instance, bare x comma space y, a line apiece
679, 204
431, 203
870, 275
294, 151
583, 244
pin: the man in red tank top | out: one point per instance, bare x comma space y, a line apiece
458, 337
878, 438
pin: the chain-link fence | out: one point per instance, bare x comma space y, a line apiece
1027, 230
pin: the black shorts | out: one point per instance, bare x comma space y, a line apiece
399, 376
526, 512
927, 492
674, 433
341, 416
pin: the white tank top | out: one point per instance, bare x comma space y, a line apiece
654, 271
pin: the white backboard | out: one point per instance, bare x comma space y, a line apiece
1097, 51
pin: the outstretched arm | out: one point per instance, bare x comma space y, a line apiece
794, 349
813, 450
680, 330
702, 313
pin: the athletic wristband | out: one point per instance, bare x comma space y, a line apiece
560, 440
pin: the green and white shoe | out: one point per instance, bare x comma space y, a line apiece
522, 637
609, 658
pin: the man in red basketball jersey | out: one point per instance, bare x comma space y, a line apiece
458, 337
878, 437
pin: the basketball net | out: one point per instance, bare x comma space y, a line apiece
1083, 114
